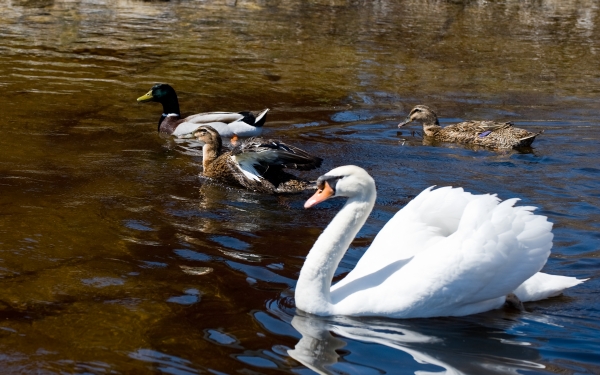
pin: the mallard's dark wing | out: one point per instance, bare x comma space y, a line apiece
247, 176
265, 153
257, 121
227, 169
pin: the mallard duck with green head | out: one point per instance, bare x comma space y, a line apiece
256, 164
228, 124
496, 135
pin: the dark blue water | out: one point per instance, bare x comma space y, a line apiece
116, 258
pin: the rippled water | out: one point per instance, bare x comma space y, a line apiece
116, 258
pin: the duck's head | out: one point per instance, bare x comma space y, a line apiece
423, 114
348, 181
161, 92
207, 135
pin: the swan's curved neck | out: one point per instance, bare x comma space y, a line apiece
314, 283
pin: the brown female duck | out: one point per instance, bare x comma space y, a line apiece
490, 134
256, 164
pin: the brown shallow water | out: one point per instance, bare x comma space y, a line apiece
99, 215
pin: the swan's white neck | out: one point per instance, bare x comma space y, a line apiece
314, 283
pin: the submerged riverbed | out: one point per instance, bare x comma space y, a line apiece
115, 258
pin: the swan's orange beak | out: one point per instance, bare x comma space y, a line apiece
320, 196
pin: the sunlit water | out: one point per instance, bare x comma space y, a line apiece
116, 258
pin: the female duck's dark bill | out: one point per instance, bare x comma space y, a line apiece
145, 98
406, 121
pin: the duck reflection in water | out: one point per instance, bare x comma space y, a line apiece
455, 345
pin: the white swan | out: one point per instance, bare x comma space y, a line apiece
447, 253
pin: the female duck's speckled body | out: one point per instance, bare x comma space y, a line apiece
256, 164
228, 124
490, 134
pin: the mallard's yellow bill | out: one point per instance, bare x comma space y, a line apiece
145, 98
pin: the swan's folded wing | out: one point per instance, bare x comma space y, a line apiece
500, 248
466, 266
494, 250
425, 220
428, 218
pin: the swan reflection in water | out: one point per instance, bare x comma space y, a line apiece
457, 346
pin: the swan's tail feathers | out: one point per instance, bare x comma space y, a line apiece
542, 285
261, 118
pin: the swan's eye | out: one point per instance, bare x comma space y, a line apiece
330, 180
